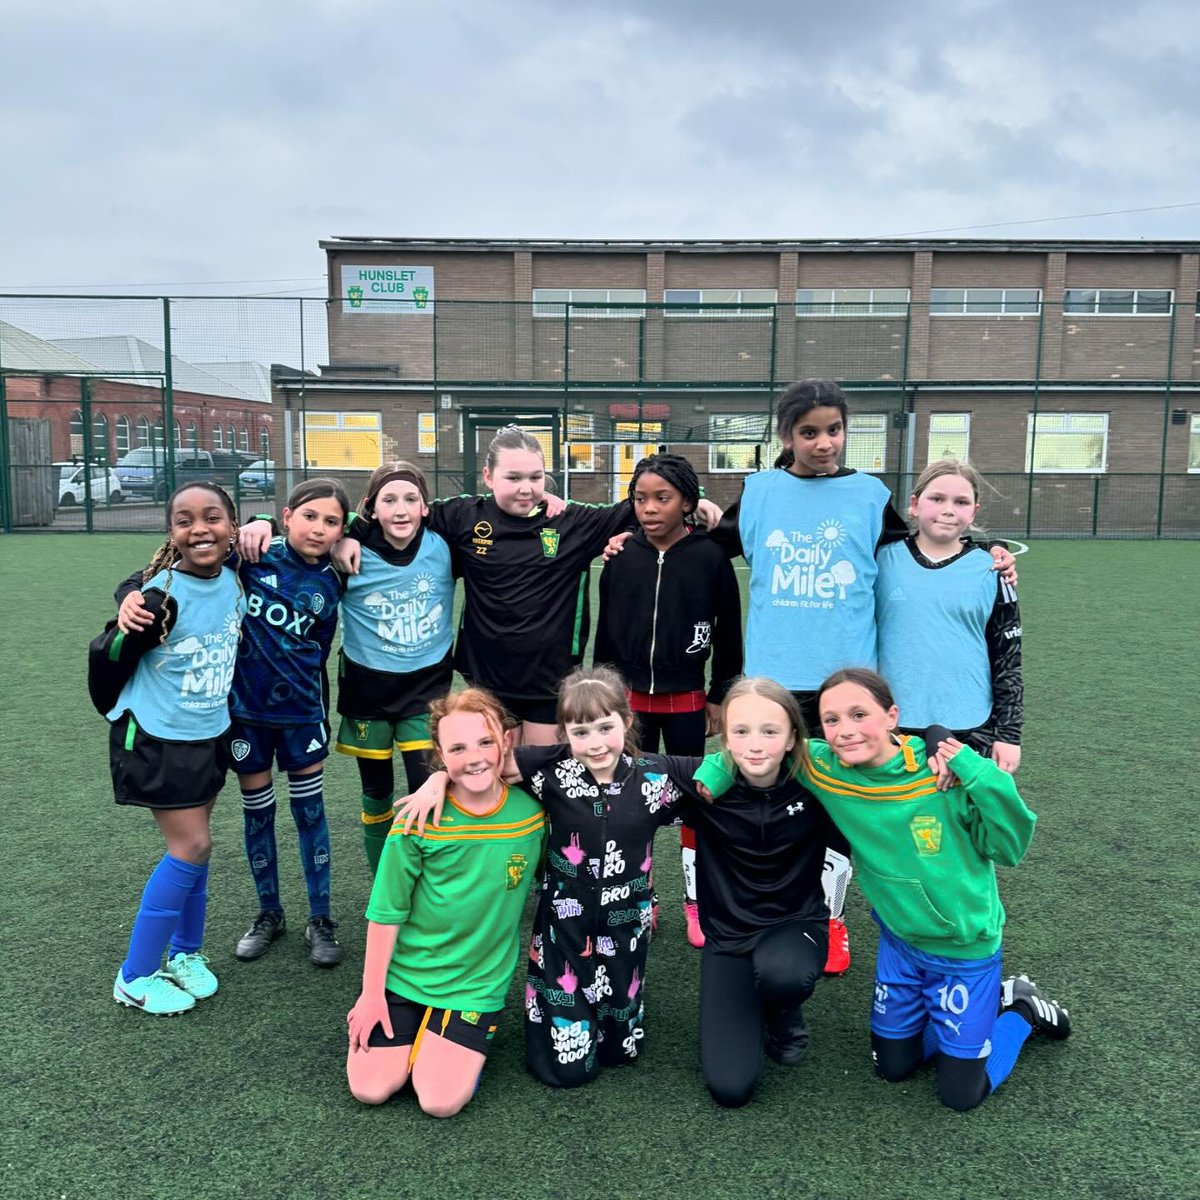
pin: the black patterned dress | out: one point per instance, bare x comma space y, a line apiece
587, 959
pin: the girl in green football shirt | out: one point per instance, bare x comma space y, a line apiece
443, 922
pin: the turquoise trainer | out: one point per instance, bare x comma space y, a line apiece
156, 994
190, 972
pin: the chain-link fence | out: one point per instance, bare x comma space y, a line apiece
1082, 415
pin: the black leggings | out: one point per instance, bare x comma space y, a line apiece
379, 779
962, 1083
681, 733
739, 994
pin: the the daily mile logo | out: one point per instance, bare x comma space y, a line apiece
810, 570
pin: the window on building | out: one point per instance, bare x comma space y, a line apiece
984, 302
178, 436
866, 441
158, 436
1067, 442
231, 440
949, 436
735, 441
244, 439
192, 436
99, 438
427, 433
730, 302
579, 451
264, 442
1194, 445
76, 433
143, 431
218, 438
343, 441
851, 302
122, 446
1120, 302
589, 302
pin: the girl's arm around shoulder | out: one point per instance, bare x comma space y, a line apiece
894, 528
672, 789
152, 609
999, 822
727, 659
1003, 637
726, 533
714, 774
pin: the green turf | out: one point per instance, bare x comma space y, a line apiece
246, 1096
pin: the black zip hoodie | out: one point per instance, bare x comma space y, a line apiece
663, 613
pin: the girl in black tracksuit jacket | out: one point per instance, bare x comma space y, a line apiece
668, 603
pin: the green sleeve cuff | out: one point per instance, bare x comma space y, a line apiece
715, 774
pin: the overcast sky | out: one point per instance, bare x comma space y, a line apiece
207, 147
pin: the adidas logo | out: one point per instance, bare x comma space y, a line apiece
271, 580
315, 744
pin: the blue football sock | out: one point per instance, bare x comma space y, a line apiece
189, 932
308, 811
163, 898
1008, 1036
258, 830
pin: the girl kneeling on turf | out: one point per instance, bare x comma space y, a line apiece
926, 864
168, 745
443, 922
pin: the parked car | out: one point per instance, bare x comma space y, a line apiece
73, 485
143, 472
259, 477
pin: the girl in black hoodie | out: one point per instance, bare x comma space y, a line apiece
668, 603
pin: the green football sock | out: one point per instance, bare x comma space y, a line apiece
376, 822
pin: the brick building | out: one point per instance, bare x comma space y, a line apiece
1068, 372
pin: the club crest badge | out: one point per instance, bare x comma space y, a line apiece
240, 749
549, 542
927, 834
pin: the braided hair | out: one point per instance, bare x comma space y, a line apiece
167, 555
675, 470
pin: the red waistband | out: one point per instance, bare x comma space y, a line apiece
667, 702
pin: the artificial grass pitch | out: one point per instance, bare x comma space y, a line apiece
246, 1095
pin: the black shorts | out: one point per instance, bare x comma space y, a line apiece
152, 773
472, 1030
529, 708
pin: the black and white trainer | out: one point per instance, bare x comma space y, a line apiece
256, 941
324, 948
1020, 994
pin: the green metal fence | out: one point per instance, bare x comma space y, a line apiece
1084, 422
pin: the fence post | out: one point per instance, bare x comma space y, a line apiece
1037, 391
1166, 426
1095, 503
85, 412
168, 399
6, 496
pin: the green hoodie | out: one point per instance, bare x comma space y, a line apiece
923, 858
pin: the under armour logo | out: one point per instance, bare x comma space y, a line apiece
793, 809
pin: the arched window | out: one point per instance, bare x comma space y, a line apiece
143, 431
244, 439
264, 442
122, 435
158, 435
99, 438
218, 443
178, 436
76, 442
232, 443
192, 437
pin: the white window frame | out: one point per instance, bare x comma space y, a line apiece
1194, 445
580, 425
961, 430
264, 442
427, 433
861, 424
753, 422
971, 298
852, 302
193, 436
732, 302
122, 435
339, 422
1071, 306
555, 302
218, 436
1065, 420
